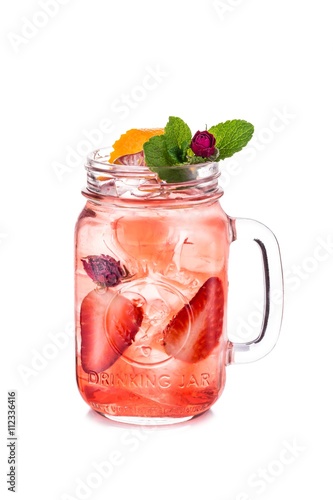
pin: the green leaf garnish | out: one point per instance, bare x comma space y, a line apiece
231, 137
166, 154
171, 147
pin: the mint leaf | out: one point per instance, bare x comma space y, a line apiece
231, 137
156, 152
178, 137
169, 150
171, 147
160, 161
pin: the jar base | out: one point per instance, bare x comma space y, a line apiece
147, 420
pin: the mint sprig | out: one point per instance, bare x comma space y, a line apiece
174, 147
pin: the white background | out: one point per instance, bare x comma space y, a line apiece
249, 59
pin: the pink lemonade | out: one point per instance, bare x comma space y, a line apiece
151, 333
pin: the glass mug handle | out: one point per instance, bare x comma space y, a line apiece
245, 352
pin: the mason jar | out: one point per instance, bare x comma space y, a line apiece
151, 293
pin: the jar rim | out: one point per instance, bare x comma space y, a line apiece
109, 181
98, 160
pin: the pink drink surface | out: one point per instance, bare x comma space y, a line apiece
153, 345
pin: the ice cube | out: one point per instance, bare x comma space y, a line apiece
157, 310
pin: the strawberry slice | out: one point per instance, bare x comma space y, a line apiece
205, 312
109, 324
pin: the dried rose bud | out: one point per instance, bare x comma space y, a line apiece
203, 144
103, 269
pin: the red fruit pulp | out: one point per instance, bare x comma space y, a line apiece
206, 310
108, 326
